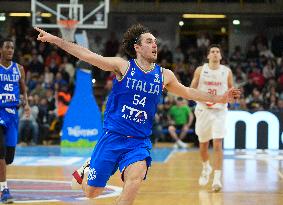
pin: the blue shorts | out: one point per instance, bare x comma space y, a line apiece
114, 151
9, 119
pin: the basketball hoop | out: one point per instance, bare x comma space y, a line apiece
68, 29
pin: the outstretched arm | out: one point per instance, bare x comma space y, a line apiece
173, 86
114, 64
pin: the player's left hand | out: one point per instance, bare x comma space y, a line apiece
27, 110
233, 94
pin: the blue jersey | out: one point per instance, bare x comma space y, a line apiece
9, 85
132, 103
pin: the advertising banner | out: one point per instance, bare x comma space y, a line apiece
258, 130
82, 123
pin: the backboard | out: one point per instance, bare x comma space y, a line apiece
90, 14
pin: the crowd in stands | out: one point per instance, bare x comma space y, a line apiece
50, 74
257, 69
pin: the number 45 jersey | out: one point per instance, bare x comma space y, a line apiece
9, 85
133, 101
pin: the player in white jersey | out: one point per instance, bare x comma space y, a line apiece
215, 79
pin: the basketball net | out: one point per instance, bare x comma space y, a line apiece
68, 29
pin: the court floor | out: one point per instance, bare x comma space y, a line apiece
41, 175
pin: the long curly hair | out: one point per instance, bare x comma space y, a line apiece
131, 37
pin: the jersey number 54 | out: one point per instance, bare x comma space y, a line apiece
138, 100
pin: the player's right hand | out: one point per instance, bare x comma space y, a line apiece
45, 36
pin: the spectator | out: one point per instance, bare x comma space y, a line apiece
111, 45
64, 98
65, 75
28, 127
269, 70
203, 41
98, 46
166, 54
178, 55
257, 77
237, 57
181, 119
157, 130
273, 103
180, 70
43, 50
69, 68
35, 66
239, 74
43, 120
277, 44
252, 52
39, 56
165, 64
38, 90
53, 60
248, 87
280, 105
51, 103
59, 80
255, 100
48, 77
266, 52
31, 80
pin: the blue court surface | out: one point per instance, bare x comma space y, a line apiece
58, 156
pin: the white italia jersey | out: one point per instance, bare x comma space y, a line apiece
214, 82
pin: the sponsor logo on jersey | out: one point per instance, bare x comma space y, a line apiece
6, 97
91, 174
133, 72
15, 70
157, 80
134, 114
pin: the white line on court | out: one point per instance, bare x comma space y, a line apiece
269, 163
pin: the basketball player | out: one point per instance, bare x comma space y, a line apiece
130, 110
12, 83
214, 79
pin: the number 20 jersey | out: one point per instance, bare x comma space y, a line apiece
133, 101
9, 85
